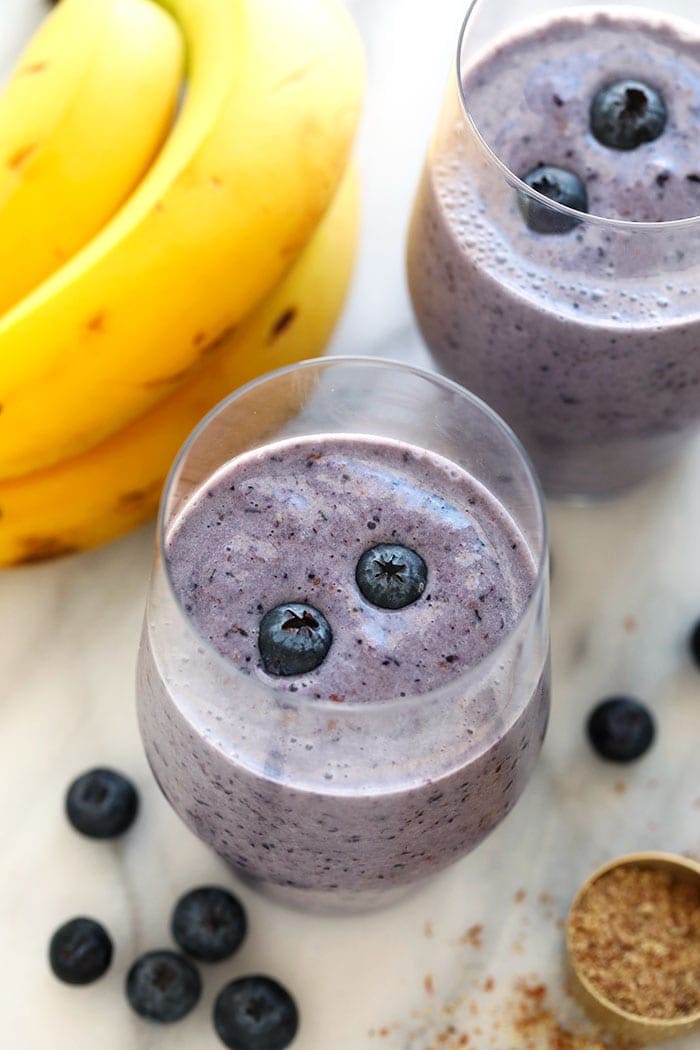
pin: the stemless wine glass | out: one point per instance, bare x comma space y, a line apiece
331, 804
583, 332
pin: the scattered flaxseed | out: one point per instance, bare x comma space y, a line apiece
429, 984
473, 936
635, 935
449, 1039
522, 1018
537, 1026
447, 1033
520, 896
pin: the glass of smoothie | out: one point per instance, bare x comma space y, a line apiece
343, 680
554, 248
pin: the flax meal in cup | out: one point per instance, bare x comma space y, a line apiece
635, 935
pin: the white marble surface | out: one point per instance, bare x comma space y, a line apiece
626, 589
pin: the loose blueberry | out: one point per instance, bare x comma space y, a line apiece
209, 923
80, 951
293, 639
621, 729
255, 1013
101, 803
391, 576
560, 185
163, 986
627, 113
694, 642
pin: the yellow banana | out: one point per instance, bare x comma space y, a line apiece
88, 105
99, 495
249, 168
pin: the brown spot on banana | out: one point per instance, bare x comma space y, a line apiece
148, 495
96, 323
35, 67
41, 548
292, 249
296, 75
20, 156
282, 323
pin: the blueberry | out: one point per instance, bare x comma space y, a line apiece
293, 639
627, 113
694, 642
209, 923
80, 951
391, 576
560, 185
163, 986
255, 1013
101, 804
621, 729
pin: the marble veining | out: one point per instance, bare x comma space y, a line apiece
626, 589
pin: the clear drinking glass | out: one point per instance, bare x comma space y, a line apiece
585, 338
345, 805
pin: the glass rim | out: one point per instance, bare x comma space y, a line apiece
623, 225
306, 703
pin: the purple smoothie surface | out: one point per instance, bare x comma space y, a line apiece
289, 524
586, 342
551, 73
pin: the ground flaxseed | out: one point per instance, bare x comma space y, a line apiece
635, 935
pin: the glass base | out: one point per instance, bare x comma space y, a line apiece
592, 496
331, 902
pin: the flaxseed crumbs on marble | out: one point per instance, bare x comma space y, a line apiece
635, 934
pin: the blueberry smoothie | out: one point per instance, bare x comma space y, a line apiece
581, 328
356, 600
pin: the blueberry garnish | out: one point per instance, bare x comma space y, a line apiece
621, 729
255, 1013
80, 951
391, 576
627, 113
101, 803
163, 986
694, 642
559, 185
293, 639
209, 923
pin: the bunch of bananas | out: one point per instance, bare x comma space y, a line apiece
159, 248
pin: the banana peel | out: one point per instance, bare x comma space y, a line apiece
252, 163
114, 487
88, 106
